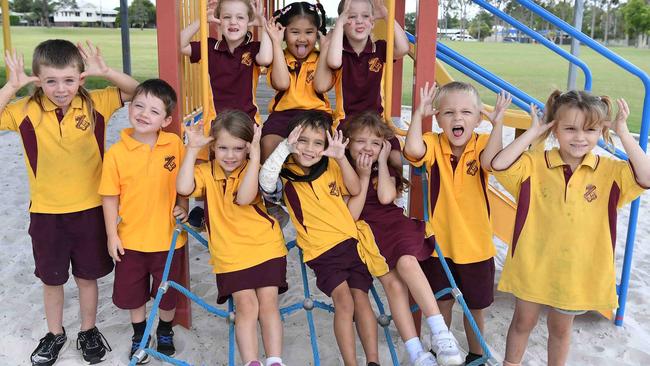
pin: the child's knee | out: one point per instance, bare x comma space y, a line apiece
247, 305
408, 262
343, 302
524, 323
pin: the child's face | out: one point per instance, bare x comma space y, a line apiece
309, 147
361, 21
458, 116
574, 138
301, 35
147, 114
234, 20
60, 85
365, 142
229, 151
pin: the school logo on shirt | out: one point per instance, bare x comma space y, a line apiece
170, 163
246, 59
81, 122
590, 192
310, 76
334, 189
472, 167
374, 64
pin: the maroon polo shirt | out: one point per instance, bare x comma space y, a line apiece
233, 76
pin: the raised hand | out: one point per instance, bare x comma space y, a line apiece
16, 65
324, 41
260, 19
381, 12
364, 165
180, 213
537, 124
503, 101
336, 145
292, 140
426, 100
343, 18
384, 153
95, 64
275, 30
212, 12
195, 136
254, 146
620, 121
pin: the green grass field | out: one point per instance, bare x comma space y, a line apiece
533, 68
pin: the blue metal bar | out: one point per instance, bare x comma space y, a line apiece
310, 316
389, 339
216, 311
231, 334
196, 235
539, 38
643, 138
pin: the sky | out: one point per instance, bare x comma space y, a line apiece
330, 5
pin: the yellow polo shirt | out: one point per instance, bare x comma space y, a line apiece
63, 153
459, 212
145, 180
301, 93
562, 251
243, 236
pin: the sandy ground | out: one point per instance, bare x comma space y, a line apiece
596, 341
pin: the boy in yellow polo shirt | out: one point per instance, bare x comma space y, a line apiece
459, 213
139, 185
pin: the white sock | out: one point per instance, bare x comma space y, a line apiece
437, 324
271, 360
414, 348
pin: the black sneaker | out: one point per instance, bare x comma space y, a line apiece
135, 344
196, 219
93, 346
471, 357
48, 349
165, 340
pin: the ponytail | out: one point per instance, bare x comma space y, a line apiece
315, 13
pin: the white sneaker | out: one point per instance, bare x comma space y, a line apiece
425, 359
446, 350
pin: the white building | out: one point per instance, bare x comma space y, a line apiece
85, 14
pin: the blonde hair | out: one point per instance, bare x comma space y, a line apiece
249, 7
339, 9
235, 122
457, 87
596, 109
59, 54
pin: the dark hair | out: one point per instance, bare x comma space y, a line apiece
160, 89
339, 9
235, 122
315, 13
59, 54
316, 120
373, 122
597, 110
249, 7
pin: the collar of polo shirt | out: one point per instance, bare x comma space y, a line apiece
164, 138
218, 173
368, 48
554, 159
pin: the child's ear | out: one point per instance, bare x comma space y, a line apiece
167, 121
82, 80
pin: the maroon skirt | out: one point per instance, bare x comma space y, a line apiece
270, 273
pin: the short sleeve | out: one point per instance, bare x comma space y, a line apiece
8, 117
630, 188
380, 50
338, 176
429, 156
512, 177
107, 101
109, 185
195, 53
200, 179
254, 49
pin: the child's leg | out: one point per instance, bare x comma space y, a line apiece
366, 323
53, 301
523, 322
246, 324
269, 314
411, 274
398, 302
472, 341
343, 317
87, 302
167, 315
560, 327
269, 143
138, 315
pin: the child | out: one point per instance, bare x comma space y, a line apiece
458, 206
234, 61
566, 216
298, 74
400, 239
62, 127
317, 180
246, 244
361, 61
140, 172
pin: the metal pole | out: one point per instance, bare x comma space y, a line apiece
126, 43
578, 11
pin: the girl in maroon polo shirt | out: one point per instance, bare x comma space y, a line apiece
401, 240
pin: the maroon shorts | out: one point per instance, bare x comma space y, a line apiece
475, 280
270, 273
278, 122
77, 238
138, 276
339, 264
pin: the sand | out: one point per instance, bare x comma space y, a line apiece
596, 341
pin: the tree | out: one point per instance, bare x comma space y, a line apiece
22, 6
409, 22
41, 9
637, 20
142, 13
481, 26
